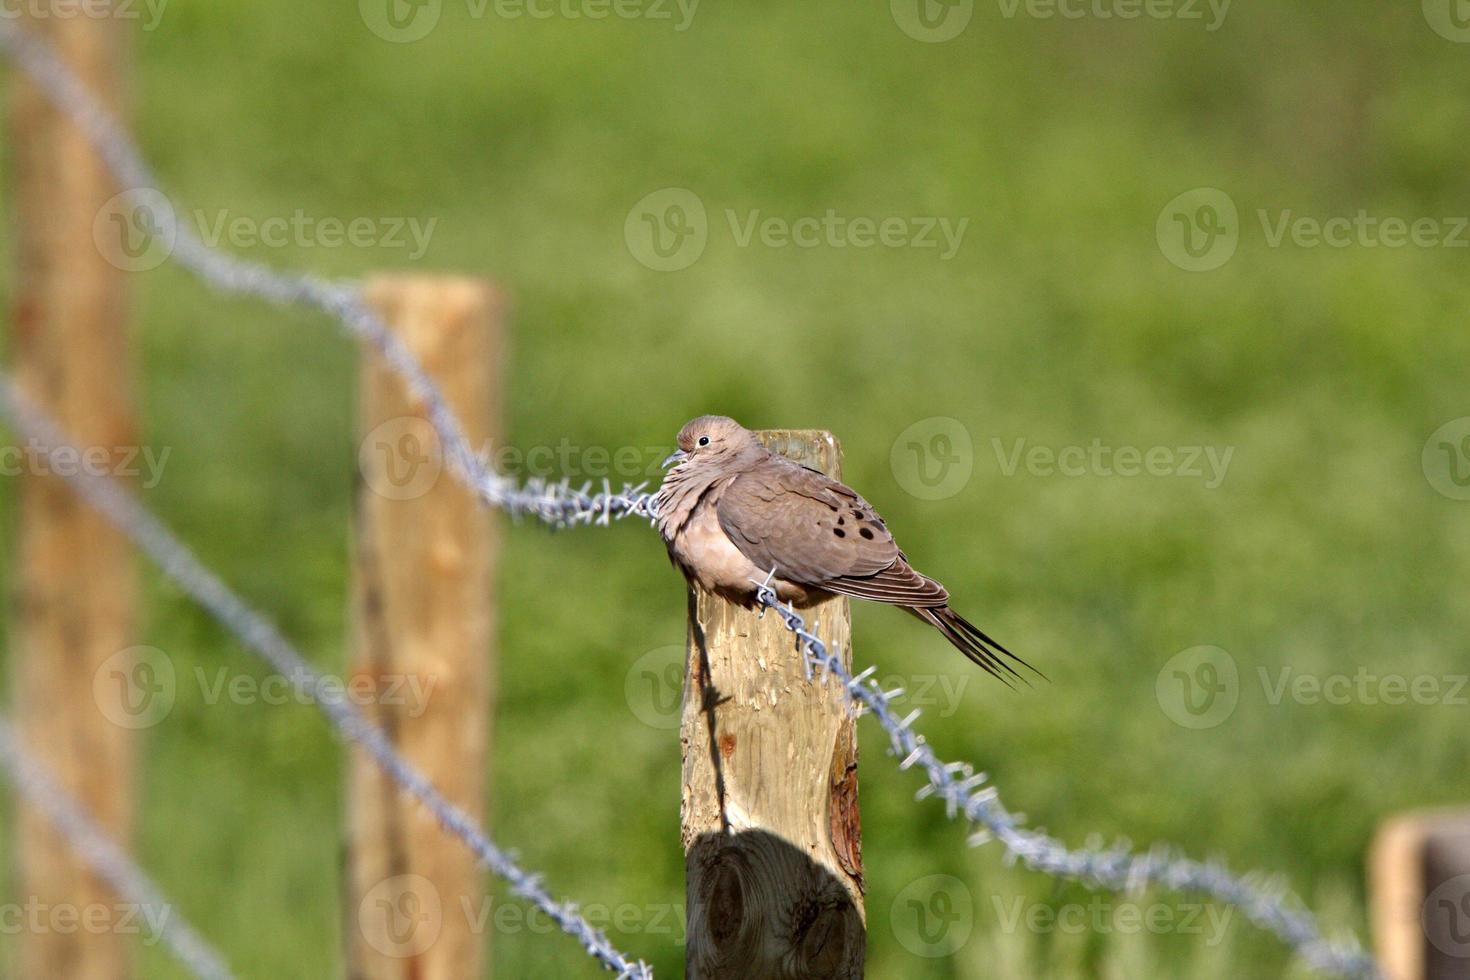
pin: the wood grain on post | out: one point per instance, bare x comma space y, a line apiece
1420, 881
422, 633
76, 589
772, 839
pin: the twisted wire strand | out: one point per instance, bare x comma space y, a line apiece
557, 504
1266, 902
110, 862
259, 635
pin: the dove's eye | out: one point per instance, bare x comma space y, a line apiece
704, 440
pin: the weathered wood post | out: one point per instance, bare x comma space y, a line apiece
772, 839
1420, 882
75, 613
422, 627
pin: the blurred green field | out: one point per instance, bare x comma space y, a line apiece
1060, 320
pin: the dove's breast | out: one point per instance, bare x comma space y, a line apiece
708, 556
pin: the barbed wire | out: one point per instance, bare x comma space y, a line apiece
106, 858
1266, 902
260, 636
556, 504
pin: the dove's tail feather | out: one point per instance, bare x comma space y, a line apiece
973, 643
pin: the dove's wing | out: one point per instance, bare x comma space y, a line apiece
816, 532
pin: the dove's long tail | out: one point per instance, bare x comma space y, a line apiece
973, 643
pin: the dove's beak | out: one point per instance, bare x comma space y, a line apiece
677, 456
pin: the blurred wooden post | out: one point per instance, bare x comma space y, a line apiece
75, 578
1420, 882
772, 839
422, 627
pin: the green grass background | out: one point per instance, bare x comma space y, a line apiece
1059, 321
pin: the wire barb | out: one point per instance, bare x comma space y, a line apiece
555, 505
1269, 906
260, 636
967, 793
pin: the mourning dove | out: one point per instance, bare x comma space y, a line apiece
734, 514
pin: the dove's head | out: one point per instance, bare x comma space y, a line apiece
714, 439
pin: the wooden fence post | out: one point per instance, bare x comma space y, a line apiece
75, 583
422, 626
772, 839
1420, 883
